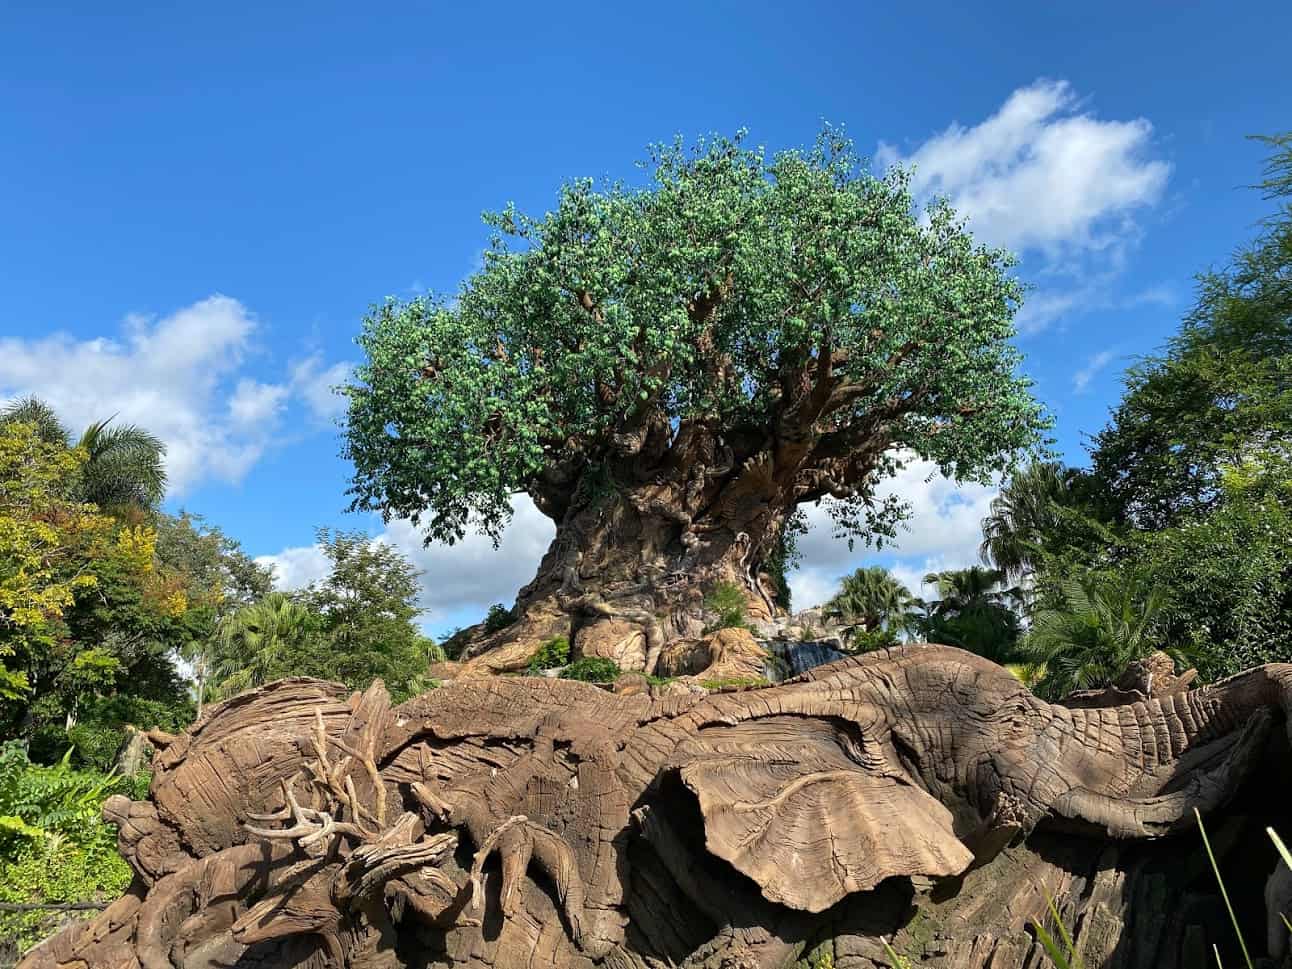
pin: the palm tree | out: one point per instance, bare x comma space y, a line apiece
124, 465
253, 643
973, 611
1021, 516
870, 599
1101, 623
968, 588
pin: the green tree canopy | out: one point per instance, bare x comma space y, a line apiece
870, 599
124, 464
766, 298
1222, 390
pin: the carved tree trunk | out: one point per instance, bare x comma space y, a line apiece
636, 552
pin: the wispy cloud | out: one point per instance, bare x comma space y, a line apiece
1081, 379
182, 376
1048, 179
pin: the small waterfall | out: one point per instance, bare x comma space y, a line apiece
788, 658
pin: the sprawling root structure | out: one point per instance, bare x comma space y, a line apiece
524, 822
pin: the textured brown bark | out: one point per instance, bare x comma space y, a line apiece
645, 555
919, 795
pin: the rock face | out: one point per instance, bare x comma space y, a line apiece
919, 794
613, 639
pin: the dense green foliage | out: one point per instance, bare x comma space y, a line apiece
711, 294
354, 625
54, 846
973, 611
553, 654
1177, 537
592, 669
871, 606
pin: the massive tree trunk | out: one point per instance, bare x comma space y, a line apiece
639, 544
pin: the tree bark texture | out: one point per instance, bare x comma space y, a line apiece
919, 797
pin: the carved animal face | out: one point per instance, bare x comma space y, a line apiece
525, 821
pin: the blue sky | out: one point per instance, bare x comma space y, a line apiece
197, 207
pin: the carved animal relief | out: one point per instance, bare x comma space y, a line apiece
517, 822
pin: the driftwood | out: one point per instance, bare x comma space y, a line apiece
918, 796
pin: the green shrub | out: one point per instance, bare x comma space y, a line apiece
54, 844
57, 870
864, 640
498, 617
552, 654
727, 601
592, 669
455, 642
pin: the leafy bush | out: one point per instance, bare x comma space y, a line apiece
454, 643
54, 845
727, 601
864, 640
592, 669
552, 654
498, 617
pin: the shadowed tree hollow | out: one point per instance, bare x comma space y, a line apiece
670, 370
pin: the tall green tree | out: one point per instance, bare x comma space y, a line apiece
368, 608
1219, 393
670, 370
1022, 516
220, 579
974, 610
871, 599
1189, 481
263, 642
124, 464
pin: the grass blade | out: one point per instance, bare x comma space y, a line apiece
1051, 949
1242, 943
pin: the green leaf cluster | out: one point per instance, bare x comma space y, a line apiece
709, 294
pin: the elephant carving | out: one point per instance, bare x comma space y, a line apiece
517, 822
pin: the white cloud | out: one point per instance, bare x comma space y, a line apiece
468, 576
1043, 176
317, 384
944, 531
254, 403
178, 376
1081, 379
296, 567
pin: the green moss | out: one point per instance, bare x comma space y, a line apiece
743, 682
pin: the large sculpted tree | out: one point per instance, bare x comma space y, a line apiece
670, 370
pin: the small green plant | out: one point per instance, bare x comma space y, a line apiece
552, 654
727, 601
498, 617
1063, 958
894, 960
592, 669
736, 682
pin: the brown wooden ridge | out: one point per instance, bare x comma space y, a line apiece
920, 797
